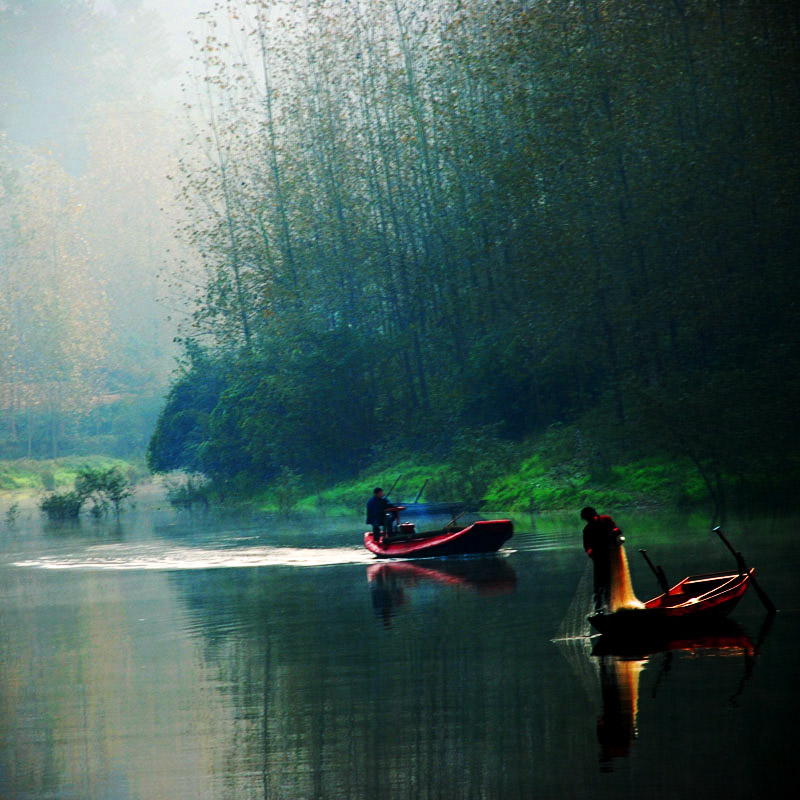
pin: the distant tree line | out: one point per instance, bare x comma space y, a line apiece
84, 348
500, 215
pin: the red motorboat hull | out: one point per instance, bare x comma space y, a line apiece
693, 601
484, 536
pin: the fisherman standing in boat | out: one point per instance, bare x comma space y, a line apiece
379, 514
600, 535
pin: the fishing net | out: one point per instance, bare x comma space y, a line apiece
620, 589
574, 625
574, 635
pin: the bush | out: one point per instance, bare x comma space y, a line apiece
195, 489
103, 487
66, 505
106, 488
286, 490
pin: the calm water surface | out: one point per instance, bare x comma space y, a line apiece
173, 655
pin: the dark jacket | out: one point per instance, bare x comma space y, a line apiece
376, 510
599, 535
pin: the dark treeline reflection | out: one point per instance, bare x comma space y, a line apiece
460, 691
331, 703
493, 214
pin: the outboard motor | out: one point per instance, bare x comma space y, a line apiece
406, 529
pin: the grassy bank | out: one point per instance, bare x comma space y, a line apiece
524, 484
46, 475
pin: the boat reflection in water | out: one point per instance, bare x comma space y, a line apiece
391, 582
620, 663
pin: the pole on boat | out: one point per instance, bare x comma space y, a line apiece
659, 573
762, 595
419, 493
454, 519
386, 494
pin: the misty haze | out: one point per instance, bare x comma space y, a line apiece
321, 321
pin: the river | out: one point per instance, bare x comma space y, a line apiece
195, 655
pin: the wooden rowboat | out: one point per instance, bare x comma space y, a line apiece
483, 536
694, 600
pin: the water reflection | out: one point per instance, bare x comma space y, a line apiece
620, 663
391, 583
616, 726
241, 661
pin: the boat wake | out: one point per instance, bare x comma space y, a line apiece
156, 557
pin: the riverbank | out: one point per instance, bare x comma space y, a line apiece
534, 483
530, 485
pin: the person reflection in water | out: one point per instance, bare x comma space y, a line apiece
616, 726
377, 514
600, 535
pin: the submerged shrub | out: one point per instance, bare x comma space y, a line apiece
195, 489
106, 488
66, 505
11, 514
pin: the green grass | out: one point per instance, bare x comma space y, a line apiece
532, 484
349, 497
540, 486
32, 475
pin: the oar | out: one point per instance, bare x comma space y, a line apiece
659, 573
762, 595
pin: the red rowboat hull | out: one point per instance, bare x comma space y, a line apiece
693, 601
484, 536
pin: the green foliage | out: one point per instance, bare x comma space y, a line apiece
522, 477
286, 490
193, 489
63, 505
106, 489
405, 479
48, 474
555, 225
255, 414
183, 425
475, 460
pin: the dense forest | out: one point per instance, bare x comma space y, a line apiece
420, 222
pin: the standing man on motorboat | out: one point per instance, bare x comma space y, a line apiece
380, 514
